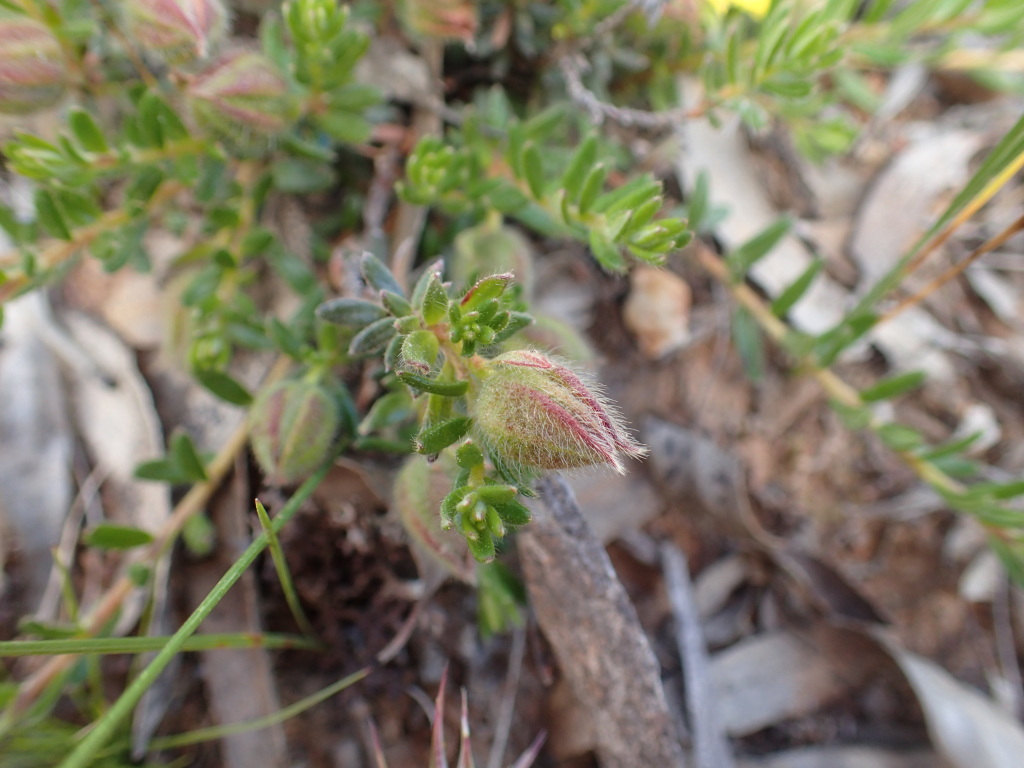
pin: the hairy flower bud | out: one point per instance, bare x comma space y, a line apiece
33, 75
535, 412
292, 425
243, 100
177, 31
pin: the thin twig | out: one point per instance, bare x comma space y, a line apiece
710, 746
573, 65
508, 699
957, 269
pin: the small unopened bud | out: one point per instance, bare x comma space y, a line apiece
419, 489
538, 413
33, 75
243, 100
177, 31
440, 19
292, 426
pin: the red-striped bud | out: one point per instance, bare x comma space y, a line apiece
177, 31
292, 426
536, 412
243, 100
32, 71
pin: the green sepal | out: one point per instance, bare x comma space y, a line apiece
469, 455
435, 438
433, 386
373, 338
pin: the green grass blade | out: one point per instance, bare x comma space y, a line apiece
283, 573
132, 645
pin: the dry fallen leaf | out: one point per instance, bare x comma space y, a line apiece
657, 311
36, 444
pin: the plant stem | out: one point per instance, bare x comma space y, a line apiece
105, 727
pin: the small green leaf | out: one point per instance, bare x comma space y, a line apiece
377, 275
395, 304
482, 546
373, 338
355, 313
435, 301
496, 494
606, 252
111, 536
746, 335
746, 255
86, 131
513, 512
185, 456
419, 352
439, 436
892, 387
433, 386
419, 291
900, 437
161, 471
49, 216
533, 169
593, 184
285, 339
386, 411
224, 386
789, 297
579, 168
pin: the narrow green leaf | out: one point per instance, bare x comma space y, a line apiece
579, 168
355, 313
513, 512
789, 297
439, 436
533, 168
746, 255
395, 304
435, 301
900, 437
377, 275
161, 471
49, 216
482, 546
111, 536
187, 458
433, 386
419, 291
894, 386
746, 335
87, 132
591, 189
224, 386
373, 338
606, 252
